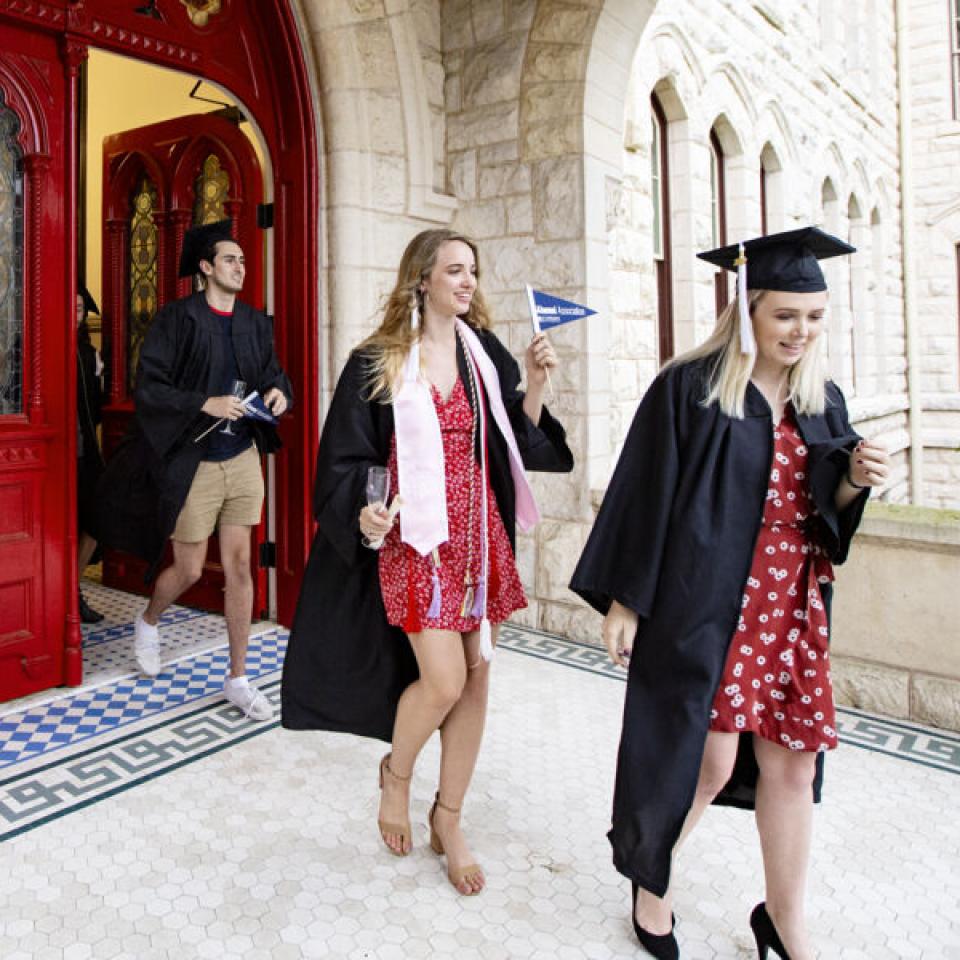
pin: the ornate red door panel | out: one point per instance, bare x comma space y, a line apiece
39, 644
251, 49
159, 181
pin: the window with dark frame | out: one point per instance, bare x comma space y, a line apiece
764, 228
718, 205
660, 193
955, 54
11, 264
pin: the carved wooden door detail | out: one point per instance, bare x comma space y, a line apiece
159, 181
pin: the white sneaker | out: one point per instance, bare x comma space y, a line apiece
146, 646
249, 700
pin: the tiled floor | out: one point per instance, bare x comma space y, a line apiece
161, 824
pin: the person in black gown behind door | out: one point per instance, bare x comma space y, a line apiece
740, 483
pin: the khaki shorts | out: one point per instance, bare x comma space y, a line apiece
222, 492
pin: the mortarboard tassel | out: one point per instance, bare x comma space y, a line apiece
748, 344
480, 599
414, 314
486, 643
434, 611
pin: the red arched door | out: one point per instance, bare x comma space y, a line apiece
252, 50
34, 382
158, 181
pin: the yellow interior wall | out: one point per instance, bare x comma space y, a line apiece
123, 94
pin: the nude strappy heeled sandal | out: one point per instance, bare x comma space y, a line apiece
400, 829
456, 877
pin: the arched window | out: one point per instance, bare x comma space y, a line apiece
878, 348
957, 255
11, 264
718, 208
837, 309
660, 195
771, 191
859, 237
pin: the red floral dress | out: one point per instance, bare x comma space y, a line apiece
776, 681
406, 578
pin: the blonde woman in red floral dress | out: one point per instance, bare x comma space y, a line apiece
740, 483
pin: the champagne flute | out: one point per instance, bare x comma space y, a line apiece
238, 389
378, 489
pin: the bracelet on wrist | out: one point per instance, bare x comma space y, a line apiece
856, 486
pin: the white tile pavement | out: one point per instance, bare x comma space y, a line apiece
205, 835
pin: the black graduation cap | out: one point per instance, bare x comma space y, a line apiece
783, 261
198, 239
89, 304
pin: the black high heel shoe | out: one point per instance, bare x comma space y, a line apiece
766, 934
663, 946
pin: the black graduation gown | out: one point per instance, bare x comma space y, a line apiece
181, 365
673, 541
345, 666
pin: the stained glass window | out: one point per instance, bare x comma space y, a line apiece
212, 189
143, 271
11, 264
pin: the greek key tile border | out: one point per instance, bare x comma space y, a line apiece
186, 726
43, 793
929, 747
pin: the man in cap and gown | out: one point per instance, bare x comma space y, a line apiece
674, 542
180, 474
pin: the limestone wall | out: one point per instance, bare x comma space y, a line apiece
936, 157
895, 636
526, 123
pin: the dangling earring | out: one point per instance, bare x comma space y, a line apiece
414, 312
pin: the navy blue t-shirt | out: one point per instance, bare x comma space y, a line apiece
224, 446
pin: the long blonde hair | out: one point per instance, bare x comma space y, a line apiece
730, 374
387, 347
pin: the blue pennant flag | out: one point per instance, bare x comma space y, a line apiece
547, 311
256, 409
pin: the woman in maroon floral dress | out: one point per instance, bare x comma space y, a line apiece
739, 484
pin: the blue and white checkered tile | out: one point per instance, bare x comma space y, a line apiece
40, 729
119, 610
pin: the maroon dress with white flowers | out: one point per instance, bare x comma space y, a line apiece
406, 577
776, 681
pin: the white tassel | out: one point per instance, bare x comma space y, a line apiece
414, 315
748, 344
486, 641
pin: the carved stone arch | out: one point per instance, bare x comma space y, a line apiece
727, 134
672, 62
677, 57
613, 39
834, 157
773, 127
423, 200
19, 97
829, 179
739, 102
860, 184
855, 206
881, 199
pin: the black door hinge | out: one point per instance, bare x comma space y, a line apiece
264, 215
268, 554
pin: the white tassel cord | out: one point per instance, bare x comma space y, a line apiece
748, 344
